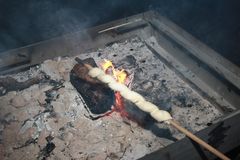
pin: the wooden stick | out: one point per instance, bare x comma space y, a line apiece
176, 125
198, 140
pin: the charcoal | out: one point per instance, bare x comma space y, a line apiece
27, 143
127, 62
46, 151
8, 84
98, 97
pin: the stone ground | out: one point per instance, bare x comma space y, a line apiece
49, 121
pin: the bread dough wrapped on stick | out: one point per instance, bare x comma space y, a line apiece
137, 99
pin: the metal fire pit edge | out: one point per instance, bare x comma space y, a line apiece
213, 76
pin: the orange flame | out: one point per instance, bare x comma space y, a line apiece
107, 64
120, 76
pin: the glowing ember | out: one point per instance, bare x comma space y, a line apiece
120, 76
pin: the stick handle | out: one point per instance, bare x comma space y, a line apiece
198, 140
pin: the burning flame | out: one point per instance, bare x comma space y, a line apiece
106, 64
120, 76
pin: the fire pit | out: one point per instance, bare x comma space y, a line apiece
52, 113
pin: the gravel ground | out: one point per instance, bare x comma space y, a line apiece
48, 120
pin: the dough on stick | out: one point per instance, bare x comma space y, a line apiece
94, 72
105, 78
132, 96
117, 86
146, 106
161, 115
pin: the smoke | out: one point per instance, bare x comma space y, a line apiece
25, 22
34, 21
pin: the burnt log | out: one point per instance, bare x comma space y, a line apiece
97, 96
8, 84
